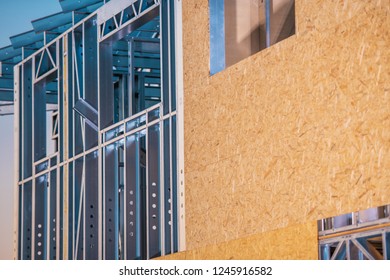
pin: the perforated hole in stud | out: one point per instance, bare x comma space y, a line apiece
39, 226
39, 253
154, 205
154, 227
154, 194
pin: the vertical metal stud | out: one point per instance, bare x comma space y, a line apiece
179, 126
16, 190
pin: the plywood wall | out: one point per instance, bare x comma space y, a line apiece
298, 242
295, 133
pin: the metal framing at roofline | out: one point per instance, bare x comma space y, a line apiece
99, 168
44, 30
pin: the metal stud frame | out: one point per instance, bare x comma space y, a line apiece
362, 235
103, 179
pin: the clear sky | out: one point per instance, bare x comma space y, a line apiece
15, 18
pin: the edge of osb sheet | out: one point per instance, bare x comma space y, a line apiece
297, 242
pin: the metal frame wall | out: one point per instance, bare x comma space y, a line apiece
362, 235
114, 186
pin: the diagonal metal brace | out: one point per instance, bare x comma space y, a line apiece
88, 112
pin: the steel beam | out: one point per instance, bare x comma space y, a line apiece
26, 116
52, 21
25, 39
18, 202
111, 192
6, 83
6, 95
153, 192
39, 121
71, 5
9, 52
106, 86
91, 245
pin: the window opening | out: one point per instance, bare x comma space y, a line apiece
241, 28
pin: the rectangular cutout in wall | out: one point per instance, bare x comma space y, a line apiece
241, 28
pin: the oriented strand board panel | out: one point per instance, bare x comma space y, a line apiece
293, 243
295, 133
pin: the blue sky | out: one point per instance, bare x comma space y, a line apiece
15, 18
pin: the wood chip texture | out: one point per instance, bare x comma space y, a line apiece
295, 133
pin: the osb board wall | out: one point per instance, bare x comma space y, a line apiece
298, 242
295, 133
